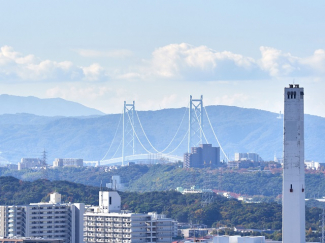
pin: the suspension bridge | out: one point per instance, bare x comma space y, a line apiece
125, 152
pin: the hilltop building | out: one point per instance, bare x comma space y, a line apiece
115, 183
293, 200
30, 163
108, 223
204, 155
252, 157
52, 220
68, 162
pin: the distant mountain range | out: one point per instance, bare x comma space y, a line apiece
10, 104
238, 130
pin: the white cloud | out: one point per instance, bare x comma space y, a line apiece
187, 62
201, 63
95, 53
171, 62
15, 66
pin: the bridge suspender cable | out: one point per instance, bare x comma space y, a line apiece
179, 143
172, 138
113, 139
137, 136
201, 129
176, 131
136, 112
215, 135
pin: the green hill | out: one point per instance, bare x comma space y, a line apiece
160, 177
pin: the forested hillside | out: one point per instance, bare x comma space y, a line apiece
184, 208
160, 177
238, 130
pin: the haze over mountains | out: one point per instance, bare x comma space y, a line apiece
238, 130
10, 104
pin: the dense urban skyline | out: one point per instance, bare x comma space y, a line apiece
158, 53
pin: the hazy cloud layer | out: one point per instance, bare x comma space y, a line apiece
187, 62
174, 62
15, 66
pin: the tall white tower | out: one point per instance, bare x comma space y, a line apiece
293, 204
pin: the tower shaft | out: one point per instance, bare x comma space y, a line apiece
195, 123
128, 130
293, 204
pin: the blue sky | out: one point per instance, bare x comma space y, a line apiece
100, 53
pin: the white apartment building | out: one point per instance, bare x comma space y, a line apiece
68, 162
108, 223
30, 163
254, 157
52, 220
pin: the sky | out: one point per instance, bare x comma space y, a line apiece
101, 53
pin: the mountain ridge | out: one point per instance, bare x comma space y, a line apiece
11, 104
238, 130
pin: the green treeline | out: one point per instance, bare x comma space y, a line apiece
161, 177
184, 208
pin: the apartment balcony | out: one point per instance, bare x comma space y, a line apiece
109, 225
100, 235
100, 224
118, 225
109, 219
126, 225
109, 235
126, 220
127, 230
100, 240
91, 229
109, 230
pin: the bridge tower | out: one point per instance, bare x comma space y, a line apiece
195, 122
128, 130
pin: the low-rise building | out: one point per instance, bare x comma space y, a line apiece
238, 239
68, 162
29, 240
253, 157
30, 163
108, 223
52, 220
